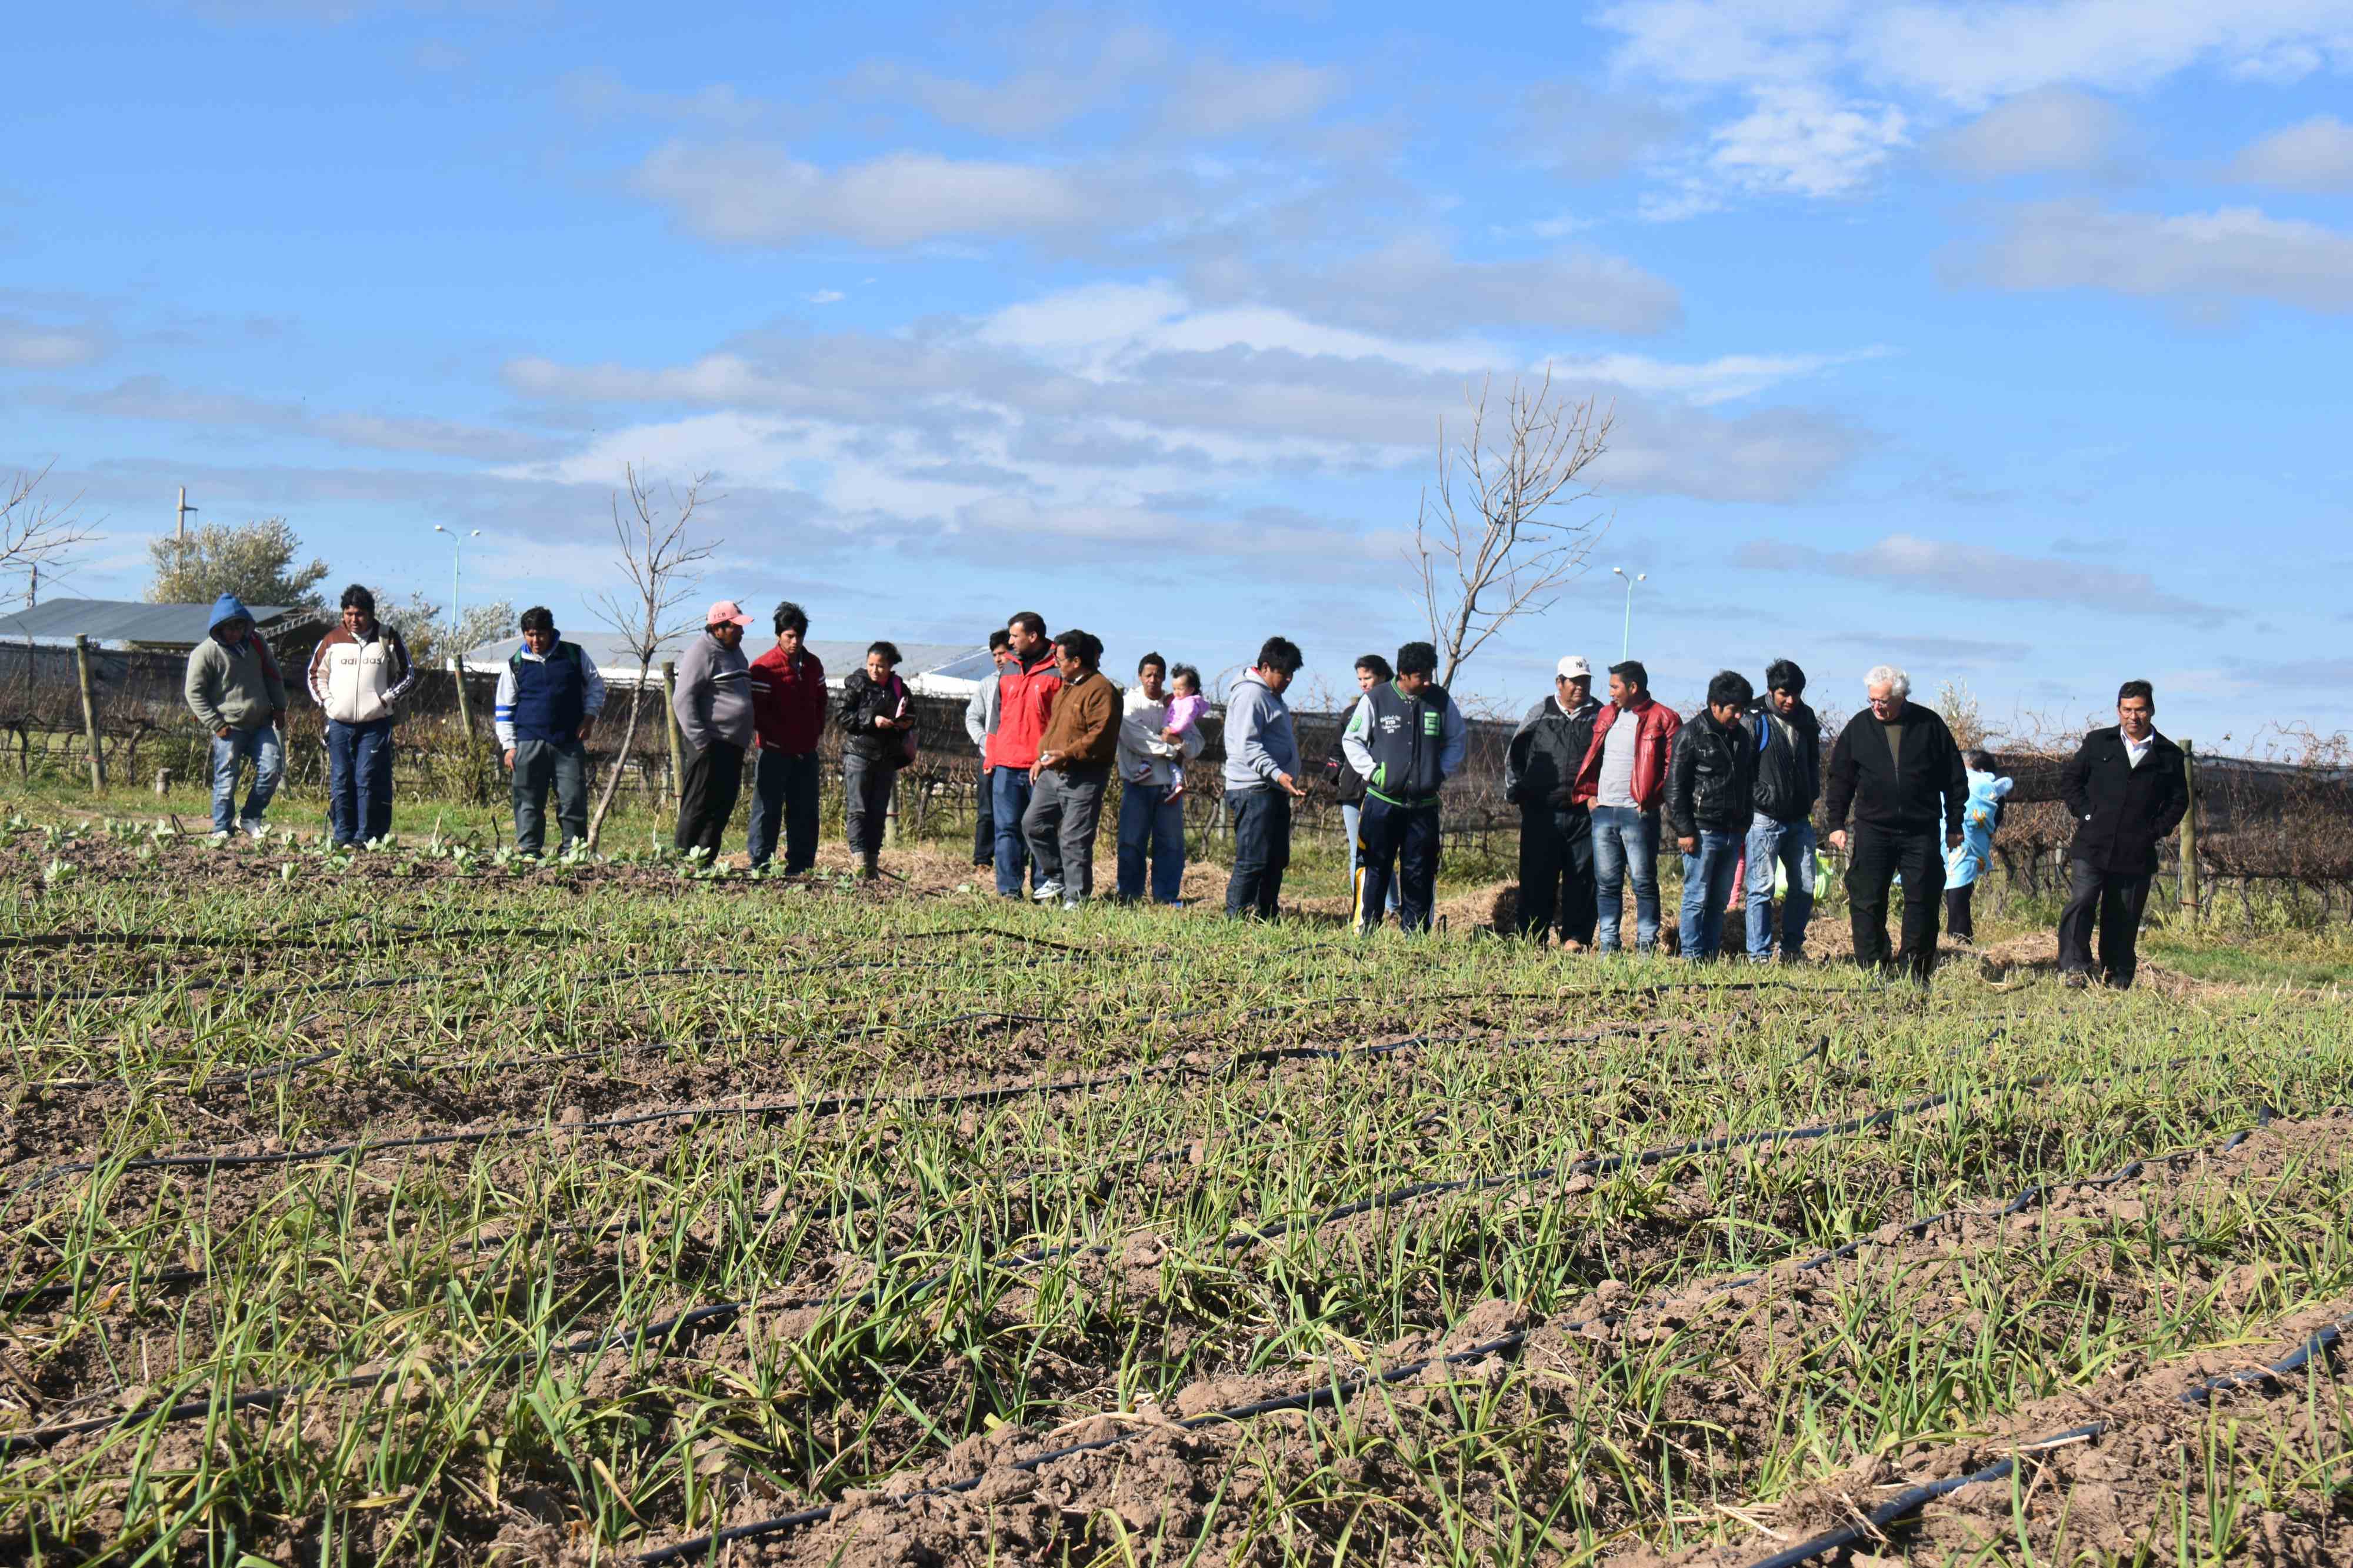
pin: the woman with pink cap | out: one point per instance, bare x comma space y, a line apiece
714, 708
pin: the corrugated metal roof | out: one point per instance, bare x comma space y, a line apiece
128, 621
938, 669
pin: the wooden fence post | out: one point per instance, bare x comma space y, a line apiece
2189, 831
677, 740
466, 731
88, 711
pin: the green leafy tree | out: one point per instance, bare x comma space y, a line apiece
424, 625
255, 561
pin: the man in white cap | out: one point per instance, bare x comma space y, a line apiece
1556, 829
714, 707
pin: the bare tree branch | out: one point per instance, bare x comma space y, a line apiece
37, 535
1490, 545
663, 568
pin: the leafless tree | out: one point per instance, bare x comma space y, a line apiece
1492, 543
663, 568
36, 534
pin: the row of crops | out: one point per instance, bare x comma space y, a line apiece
461, 1217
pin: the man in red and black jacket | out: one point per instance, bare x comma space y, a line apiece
1621, 781
1026, 688
788, 705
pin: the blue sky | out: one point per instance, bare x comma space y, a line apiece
2006, 341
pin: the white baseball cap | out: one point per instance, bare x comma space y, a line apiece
1573, 666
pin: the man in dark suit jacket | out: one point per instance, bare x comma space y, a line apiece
2127, 790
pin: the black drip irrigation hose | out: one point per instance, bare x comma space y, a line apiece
1337, 1391
1347, 1387
1874, 1526
29, 1295
444, 977
698, 1320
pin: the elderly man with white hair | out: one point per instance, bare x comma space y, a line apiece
1897, 767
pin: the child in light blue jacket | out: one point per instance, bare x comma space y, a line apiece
1980, 816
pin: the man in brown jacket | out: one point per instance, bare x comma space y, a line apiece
1075, 757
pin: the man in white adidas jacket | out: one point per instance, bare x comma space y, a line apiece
359, 673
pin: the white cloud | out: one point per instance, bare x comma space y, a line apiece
2048, 129
826, 297
1140, 387
748, 194
1969, 55
1072, 71
2230, 254
1584, 133
29, 344
1979, 572
2315, 155
1802, 140
1219, 98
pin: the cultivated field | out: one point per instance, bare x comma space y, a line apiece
405, 1207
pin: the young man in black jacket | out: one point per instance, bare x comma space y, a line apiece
1711, 781
1781, 833
2127, 790
1556, 830
1896, 765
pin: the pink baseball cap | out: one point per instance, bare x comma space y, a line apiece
727, 612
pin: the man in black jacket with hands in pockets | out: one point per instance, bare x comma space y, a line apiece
1896, 765
2127, 789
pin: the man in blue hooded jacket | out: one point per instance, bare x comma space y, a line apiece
235, 690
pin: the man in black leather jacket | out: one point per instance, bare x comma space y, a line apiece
1556, 830
1710, 781
2127, 788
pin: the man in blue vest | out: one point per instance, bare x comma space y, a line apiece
549, 697
1404, 739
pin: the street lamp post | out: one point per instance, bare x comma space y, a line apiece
457, 563
457, 640
1626, 644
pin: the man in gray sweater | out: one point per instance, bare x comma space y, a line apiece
714, 708
235, 690
1261, 779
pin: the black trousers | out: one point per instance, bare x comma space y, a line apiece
1877, 855
1556, 872
984, 820
1960, 919
2115, 900
1399, 842
1261, 851
707, 791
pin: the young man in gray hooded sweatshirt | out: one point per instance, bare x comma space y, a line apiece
235, 690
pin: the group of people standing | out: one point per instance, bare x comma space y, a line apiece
1738, 784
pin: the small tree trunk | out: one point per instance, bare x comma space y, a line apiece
620, 762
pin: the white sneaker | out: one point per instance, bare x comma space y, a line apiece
1069, 904
1047, 892
254, 830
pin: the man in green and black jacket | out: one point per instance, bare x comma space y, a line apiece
1404, 739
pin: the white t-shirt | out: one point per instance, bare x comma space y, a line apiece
1616, 786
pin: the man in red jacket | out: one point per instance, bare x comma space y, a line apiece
1622, 779
1026, 687
787, 716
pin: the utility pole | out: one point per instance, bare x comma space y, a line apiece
180, 519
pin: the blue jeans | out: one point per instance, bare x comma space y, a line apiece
1350, 816
359, 782
1153, 826
1789, 843
784, 794
268, 756
1010, 790
1707, 887
1626, 848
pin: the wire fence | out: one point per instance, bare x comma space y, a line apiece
2274, 839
